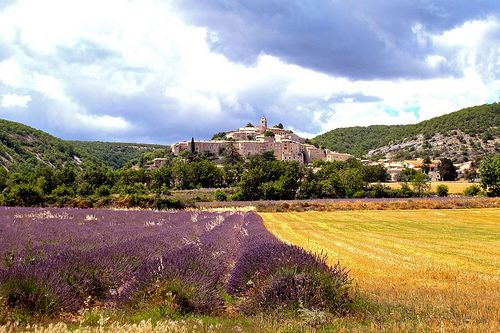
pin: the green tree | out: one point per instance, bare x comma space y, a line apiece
352, 183
93, 178
161, 180
230, 155
220, 195
269, 133
183, 176
421, 185
257, 159
66, 176
442, 190
45, 179
375, 173
207, 174
447, 170
250, 184
4, 176
25, 195
193, 149
489, 169
219, 136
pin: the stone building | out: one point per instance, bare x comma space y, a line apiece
251, 140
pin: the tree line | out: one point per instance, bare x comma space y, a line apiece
257, 177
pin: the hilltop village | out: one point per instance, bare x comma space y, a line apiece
251, 140
288, 146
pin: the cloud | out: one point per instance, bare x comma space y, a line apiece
165, 71
9, 100
358, 39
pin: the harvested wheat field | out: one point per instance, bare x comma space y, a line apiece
426, 270
455, 187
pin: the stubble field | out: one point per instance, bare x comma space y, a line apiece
425, 270
454, 187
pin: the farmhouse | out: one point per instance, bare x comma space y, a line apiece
251, 140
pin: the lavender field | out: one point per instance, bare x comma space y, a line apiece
55, 262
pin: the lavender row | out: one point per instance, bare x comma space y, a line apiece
73, 257
47, 231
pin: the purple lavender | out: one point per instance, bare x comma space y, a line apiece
55, 260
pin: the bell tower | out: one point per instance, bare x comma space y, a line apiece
263, 124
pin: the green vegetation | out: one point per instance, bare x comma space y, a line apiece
25, 148
39, 169
490, 174
116, 154
442, 190
480, 122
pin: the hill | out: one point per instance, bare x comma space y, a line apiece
116, 154
460, 135
25, 148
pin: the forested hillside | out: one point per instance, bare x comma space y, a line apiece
460, 135
116, 154
25, 148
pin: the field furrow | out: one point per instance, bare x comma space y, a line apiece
427, 266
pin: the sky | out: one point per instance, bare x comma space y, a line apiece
163, 71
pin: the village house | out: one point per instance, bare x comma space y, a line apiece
251, 140
332, 156
288, 146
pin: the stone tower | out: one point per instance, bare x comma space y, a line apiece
263, 125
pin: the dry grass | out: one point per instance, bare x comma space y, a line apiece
376, 204
426, 270
457, 187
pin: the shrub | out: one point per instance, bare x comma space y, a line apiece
220, 195
276, 275
379, 190
24, 195
442, 190
404, 191
472, 191
239, 195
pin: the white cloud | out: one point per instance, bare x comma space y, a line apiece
9, 100
98, 124
97, 63
11, 73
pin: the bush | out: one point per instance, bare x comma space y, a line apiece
404, 191
275, 275
442, 190
24, 195
472, 191
239, 195
220, 195
379, 190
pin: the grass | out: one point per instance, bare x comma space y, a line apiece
456, 187
425, 270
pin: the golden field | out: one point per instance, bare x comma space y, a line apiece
456, 187
425, 270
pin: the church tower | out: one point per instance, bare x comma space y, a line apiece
263, 125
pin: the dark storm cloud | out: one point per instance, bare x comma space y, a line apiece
357, 39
